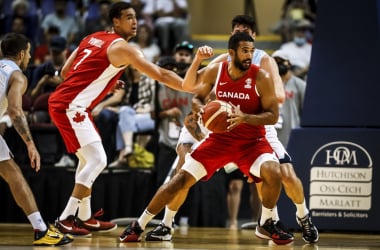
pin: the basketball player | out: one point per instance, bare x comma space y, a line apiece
89, 74
13, 83
292, 184
245, 141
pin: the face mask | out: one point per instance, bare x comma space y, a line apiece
299, 41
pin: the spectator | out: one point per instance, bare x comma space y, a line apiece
100, 20
46, 76
68, 25
172, 108
291, 109
171, 22
41, 53
135, 114
292, 12
146, 42
299, 50
22, 20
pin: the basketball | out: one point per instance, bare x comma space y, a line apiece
215, 115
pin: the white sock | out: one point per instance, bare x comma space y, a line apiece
168, 217
266, 214
84, 209
37, 221
145, 218
275, 215
302, 210
70, 209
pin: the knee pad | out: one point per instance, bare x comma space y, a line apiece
95, 162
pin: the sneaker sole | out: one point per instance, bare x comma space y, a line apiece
94, 229
158, 238
276, 241
131, 238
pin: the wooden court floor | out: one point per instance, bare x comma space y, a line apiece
19, 236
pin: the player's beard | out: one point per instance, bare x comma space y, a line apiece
242, 65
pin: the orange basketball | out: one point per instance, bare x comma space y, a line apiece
215, 116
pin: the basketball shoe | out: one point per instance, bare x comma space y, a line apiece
282, 227
132, 233
160, 233
271, 232
93, 224
71, 226
309, 230
51, 237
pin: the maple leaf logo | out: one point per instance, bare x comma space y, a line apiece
78, 117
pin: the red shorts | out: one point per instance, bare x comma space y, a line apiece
76, 127
217, 150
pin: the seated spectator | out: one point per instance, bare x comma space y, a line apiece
135, 114
299, 49
68, 25
292, 12
145, 41
171, 22
41, 53
23, 19
46, 76
99, 20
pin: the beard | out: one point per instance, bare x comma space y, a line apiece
242, 65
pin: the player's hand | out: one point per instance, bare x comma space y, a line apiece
34, 156
204, 52
236, 117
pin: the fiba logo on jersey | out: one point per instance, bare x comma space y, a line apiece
248, 83
341, 179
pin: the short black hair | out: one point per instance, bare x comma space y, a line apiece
116, 8
233, 42
12, 44
244, 19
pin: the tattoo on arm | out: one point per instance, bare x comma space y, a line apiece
22, 128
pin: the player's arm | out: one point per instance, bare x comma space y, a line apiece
269, 65
122, 54
17, 87
204, 87
220, 58
193, 75
68, 63
268, 100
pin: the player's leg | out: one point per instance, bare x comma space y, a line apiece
266, 167
294, 190
235, 187
191, 172
24, 197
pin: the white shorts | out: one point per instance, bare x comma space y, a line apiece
5, 153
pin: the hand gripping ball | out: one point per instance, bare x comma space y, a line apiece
215, 115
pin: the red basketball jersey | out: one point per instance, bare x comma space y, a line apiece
91, 75
240, 92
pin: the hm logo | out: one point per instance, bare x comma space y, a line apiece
341, 156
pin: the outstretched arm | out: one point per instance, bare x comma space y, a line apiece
123, 54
